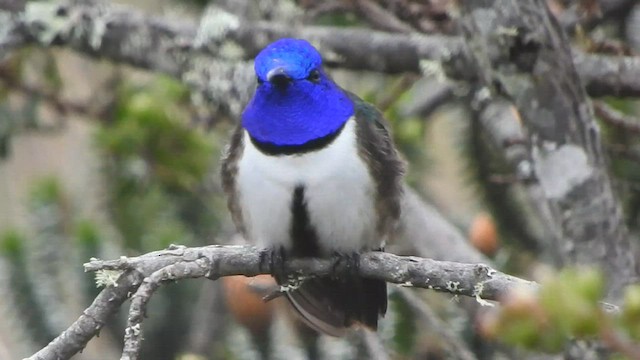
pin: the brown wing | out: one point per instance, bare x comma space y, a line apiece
229, 171
331, 305
387, 168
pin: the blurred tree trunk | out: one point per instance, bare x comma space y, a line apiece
520, 53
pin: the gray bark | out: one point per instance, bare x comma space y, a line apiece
142, 275
105, 305
520, 53
213, 57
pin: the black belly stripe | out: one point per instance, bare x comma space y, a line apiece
312, 145
303, 236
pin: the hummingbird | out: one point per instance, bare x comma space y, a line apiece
311, 171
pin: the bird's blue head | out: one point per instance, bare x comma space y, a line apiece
296, 101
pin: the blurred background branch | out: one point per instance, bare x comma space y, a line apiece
223, 41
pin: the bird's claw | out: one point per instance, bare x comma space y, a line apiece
346, 264
273, 261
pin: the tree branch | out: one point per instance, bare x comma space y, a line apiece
380, 18
616, 118
213, 261
213, 57
456, 347
606, 75
475, 280
139, 301
105, 305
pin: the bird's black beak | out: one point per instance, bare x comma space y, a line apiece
279, 78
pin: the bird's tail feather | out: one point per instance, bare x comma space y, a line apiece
331, 305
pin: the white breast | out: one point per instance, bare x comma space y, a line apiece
339, 194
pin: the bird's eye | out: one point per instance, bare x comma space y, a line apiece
260, 81
314, 76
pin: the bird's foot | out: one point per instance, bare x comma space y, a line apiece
346, 264
273, 261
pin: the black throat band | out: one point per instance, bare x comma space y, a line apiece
269, 148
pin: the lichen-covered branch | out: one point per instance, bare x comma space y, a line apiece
143, 274
105, 305
607, 75
137, 310
213, 57
615, 118
476, 280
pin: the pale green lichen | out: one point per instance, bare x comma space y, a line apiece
133, 330
289, 9
477, 292
214, 26
97, 32
231, 50
42, 16
218, 79
482, 95
286, 11
5, 25
106, 278
136, 40
328, 54
507, 31
561, 169
433, 68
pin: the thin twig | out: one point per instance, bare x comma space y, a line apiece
438, 95
400, 87
616, 118
623, 151
381, 18
106, 304
374, 346
137, 310
60, 105
457, 348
